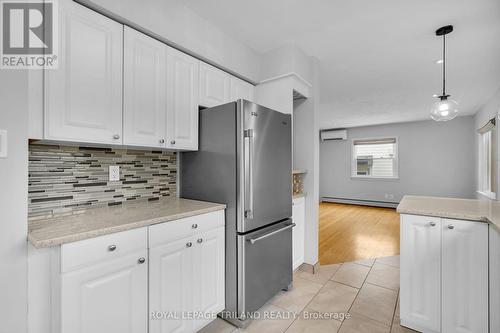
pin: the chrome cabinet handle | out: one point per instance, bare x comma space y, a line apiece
189, 244
194, 226
141, 260
116, 136
200, 240
432, 224
112, 248
172, 142
255, 240
248, 134
451, 226
162, 140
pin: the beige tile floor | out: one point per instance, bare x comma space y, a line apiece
366, 289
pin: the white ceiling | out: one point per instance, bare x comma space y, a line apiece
377, 58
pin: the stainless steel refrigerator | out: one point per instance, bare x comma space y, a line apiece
244, 160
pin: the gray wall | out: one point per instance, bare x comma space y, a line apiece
13, 202
306, 157
435, 159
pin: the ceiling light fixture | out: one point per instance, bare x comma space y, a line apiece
446, 108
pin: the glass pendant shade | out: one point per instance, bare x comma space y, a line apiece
445, 109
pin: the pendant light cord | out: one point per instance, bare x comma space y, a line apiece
444, 65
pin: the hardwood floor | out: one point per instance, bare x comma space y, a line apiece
350, 233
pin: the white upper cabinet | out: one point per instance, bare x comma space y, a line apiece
241, 89
182, 101
465, 276
83, 97
421, 272
145, 89
214, 86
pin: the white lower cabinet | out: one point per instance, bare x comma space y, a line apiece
168, 277
420, 293
465, 276
209, 286
103, 284
298, 217
444, 275
171, 286
107, 297
186, 281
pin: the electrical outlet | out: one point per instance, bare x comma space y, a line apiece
114, 173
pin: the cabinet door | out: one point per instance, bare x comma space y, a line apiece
182, 101
171, 286
298, 217
83, 97
214, 86
209, 278
109, 297
241, 89
465, 276
420, 294
145, 90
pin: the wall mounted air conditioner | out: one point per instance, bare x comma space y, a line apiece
333, 134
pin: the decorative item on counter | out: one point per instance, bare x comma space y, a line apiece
298, 181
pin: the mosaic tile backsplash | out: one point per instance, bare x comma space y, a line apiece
65, 180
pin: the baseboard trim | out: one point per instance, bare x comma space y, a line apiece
361, 202
309, 268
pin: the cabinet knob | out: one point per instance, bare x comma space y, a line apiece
194, 226
141, 260
200, 240
451, 226
116, 136
189, 244
162, 140
112, 248
432, 224
172, 142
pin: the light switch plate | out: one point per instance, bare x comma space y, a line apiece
3, 143
114, 173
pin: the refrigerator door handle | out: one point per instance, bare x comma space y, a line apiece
249, 173
255, 240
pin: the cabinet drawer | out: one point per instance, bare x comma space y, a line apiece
94, 250
169, 231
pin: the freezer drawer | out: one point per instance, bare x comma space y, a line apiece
266, 266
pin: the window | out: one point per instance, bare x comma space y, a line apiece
487, 174
375, 158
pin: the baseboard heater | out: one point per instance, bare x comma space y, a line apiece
361, 202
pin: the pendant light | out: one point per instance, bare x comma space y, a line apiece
445, 109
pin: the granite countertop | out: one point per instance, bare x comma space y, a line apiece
463, 209
101, 221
